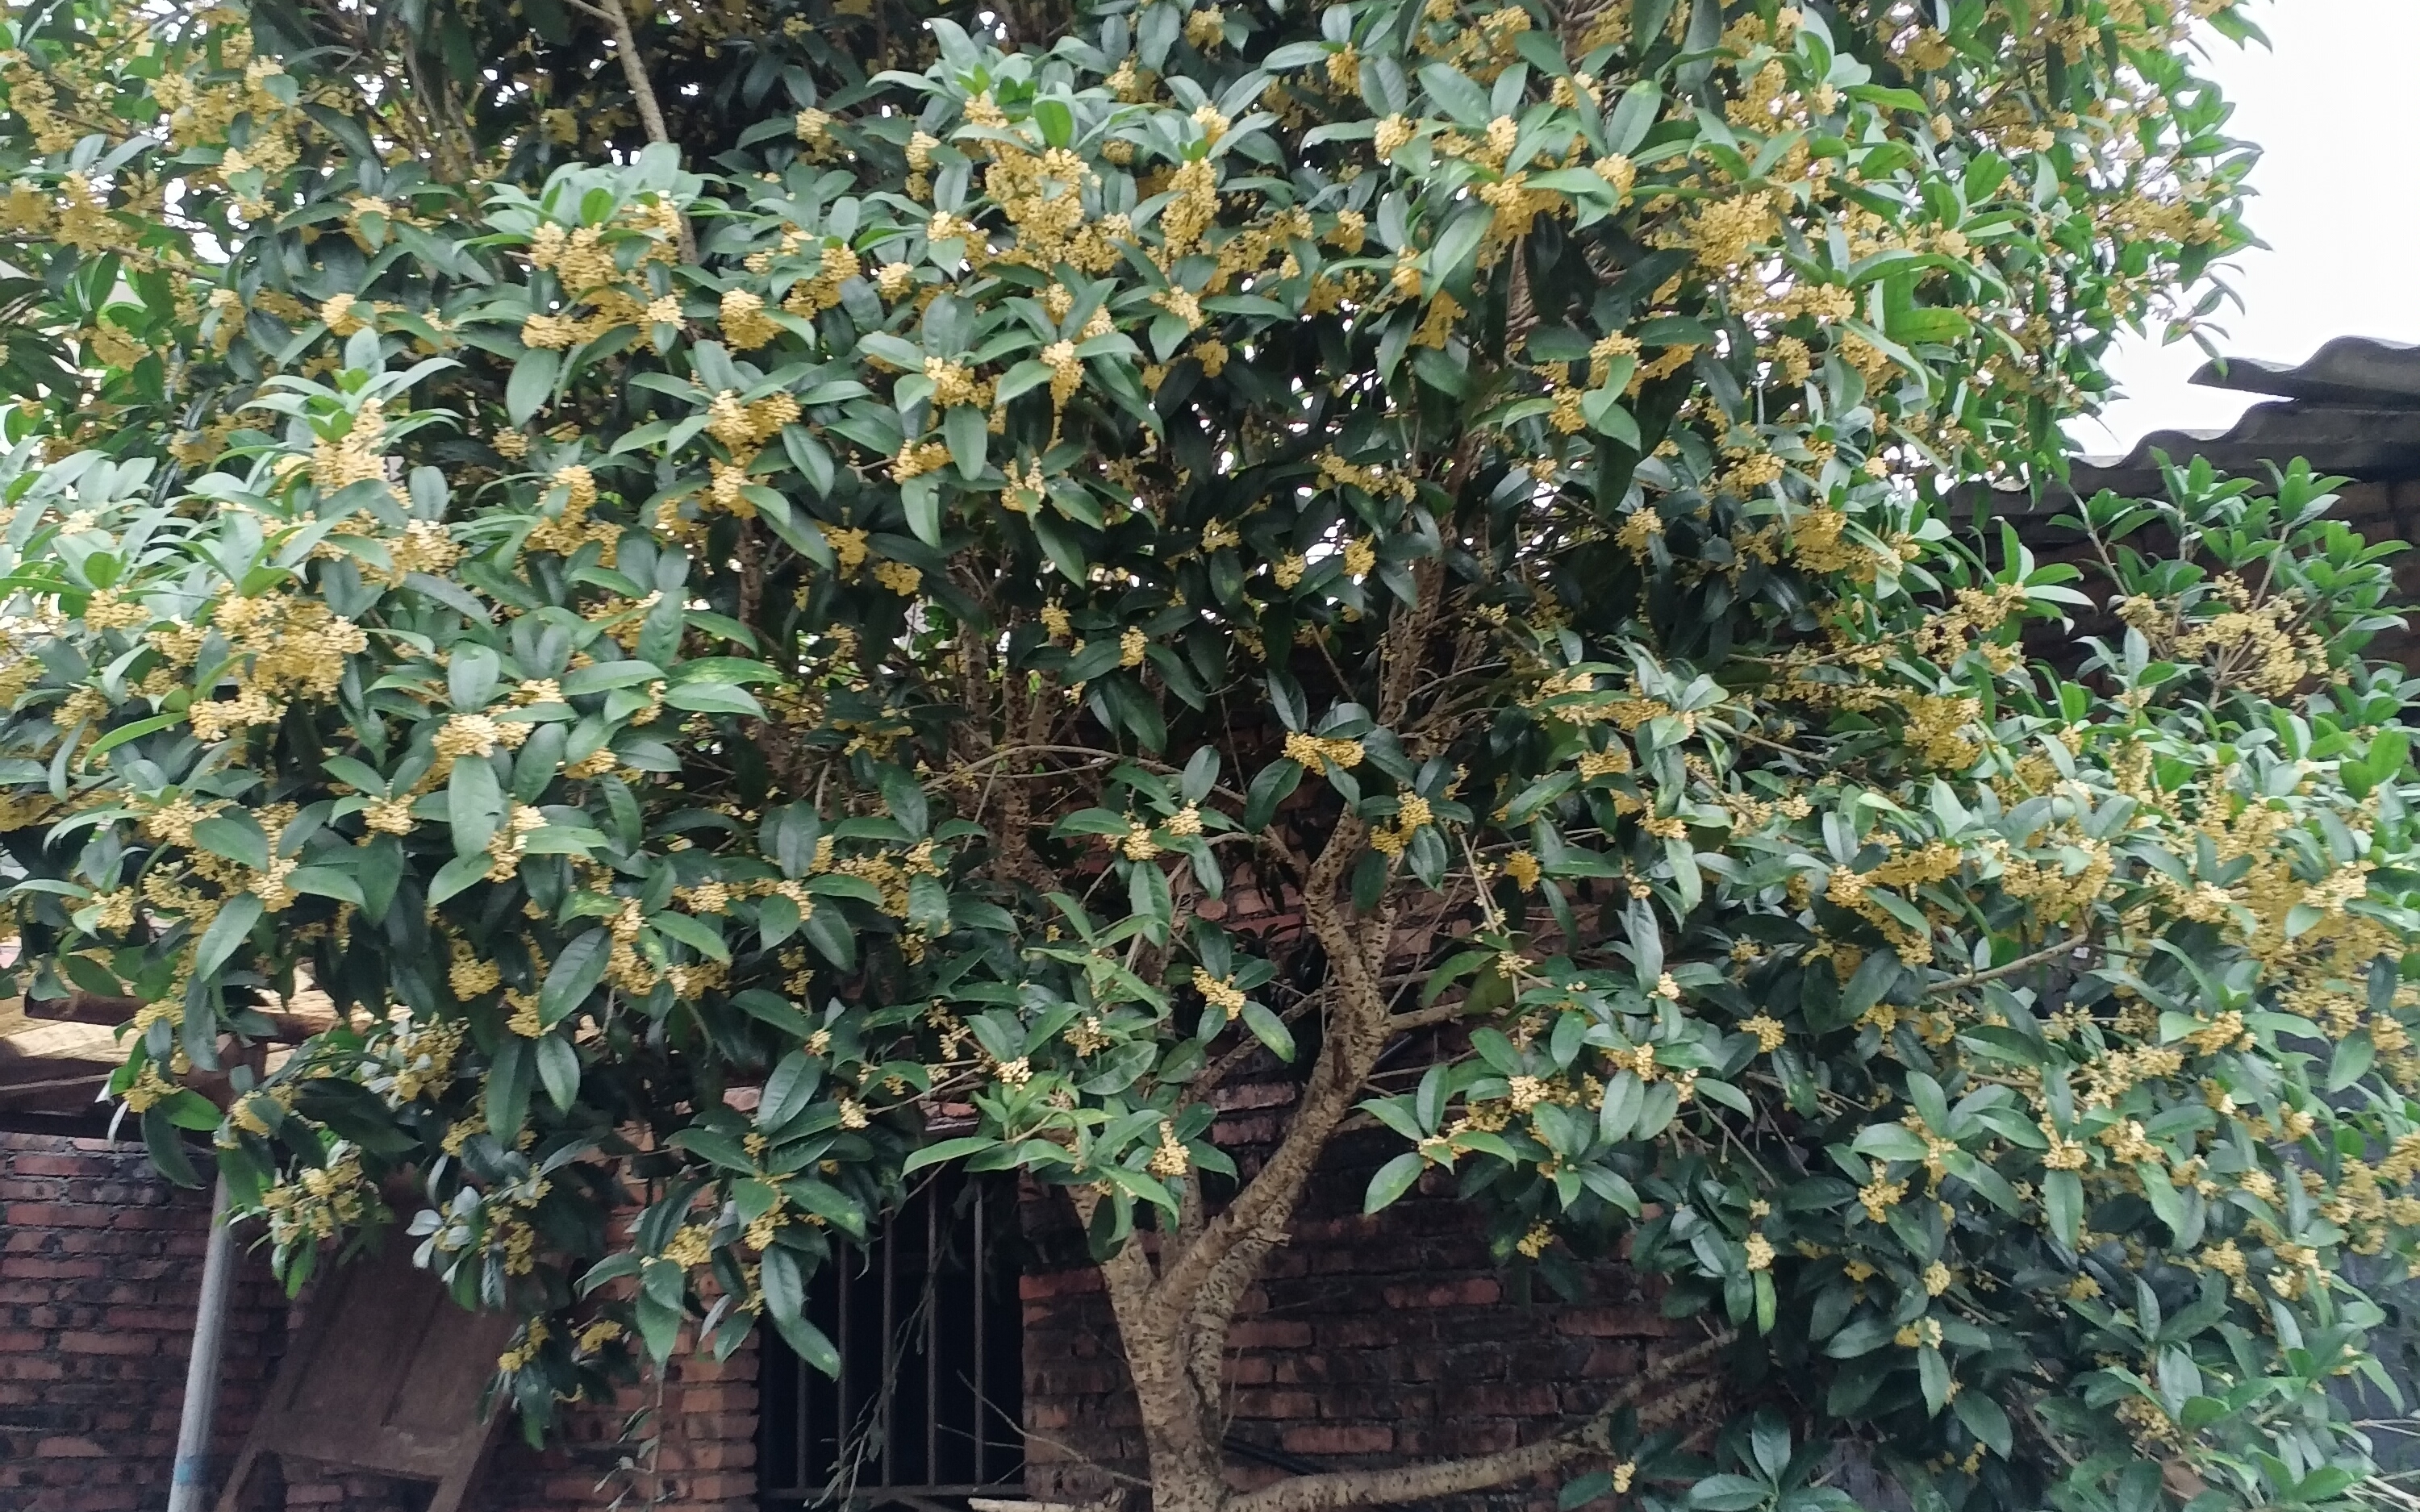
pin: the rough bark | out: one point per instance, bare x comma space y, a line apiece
1449, 1477
1175, 1294
616, 19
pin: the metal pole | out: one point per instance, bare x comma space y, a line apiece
188, 1487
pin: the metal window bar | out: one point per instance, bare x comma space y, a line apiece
928, 1406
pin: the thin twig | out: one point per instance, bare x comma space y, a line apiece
642, 93
2065, 947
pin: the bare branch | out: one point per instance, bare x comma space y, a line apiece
1343, 1489
2065, 947
651, 116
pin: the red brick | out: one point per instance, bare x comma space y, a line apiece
1269, 1333
1474, 1291
1276, 1404
1338, 1439
105, 1343
1613, 1322
29, 1162
66, 1448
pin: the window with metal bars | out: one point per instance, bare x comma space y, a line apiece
929, 1402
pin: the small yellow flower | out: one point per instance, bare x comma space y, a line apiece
1523, 868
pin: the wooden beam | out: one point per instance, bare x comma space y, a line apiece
292, 1024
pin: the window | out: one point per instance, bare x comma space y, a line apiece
929, 1402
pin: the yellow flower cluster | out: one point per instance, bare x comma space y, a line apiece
1318, 754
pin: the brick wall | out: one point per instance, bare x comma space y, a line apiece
1370, 1341
100, 1274
2390, 511
100, 1270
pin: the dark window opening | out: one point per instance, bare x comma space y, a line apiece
929, 1404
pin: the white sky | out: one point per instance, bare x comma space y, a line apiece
2329, 103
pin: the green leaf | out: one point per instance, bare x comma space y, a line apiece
1613, 1188
719, 1148
694, 932
922, 498
753, 1198
1932, 1371
1057, 121
829, 933
508, 1089
573, 976
833, 1204
1984, 1419
834, 884
558, 1068
1874, 976
474, 803
659, 1325
1454, 249
457, 875
1456, 95
226, 932
532, 382
2063, 1205
235, 836
777, 919
604, 675
1728, 1493
784, 1302
1861, 1338
189, 1109
945, 1151
326, 881
125, 732
789, 1089
1624, 1097
1604, 414
1926, 326
1270, 1031
713, 698
167, 1148
1583, 1491
1272, 785
1392, 1181
963, 428
2353, 1058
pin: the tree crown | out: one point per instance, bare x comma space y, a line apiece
812, 553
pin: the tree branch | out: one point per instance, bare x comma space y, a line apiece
2065, 947
1178, 1428
1343, 1489
1201, 1286
642, 92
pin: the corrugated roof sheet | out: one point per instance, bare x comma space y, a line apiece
2352, 371
2351, 407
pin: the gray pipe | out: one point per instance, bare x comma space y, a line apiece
188, 1487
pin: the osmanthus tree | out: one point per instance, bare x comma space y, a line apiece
652, 553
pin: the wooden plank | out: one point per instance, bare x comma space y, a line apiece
52, 1068
385, 1376
309, 1013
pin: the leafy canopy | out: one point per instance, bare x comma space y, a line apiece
1025, 565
